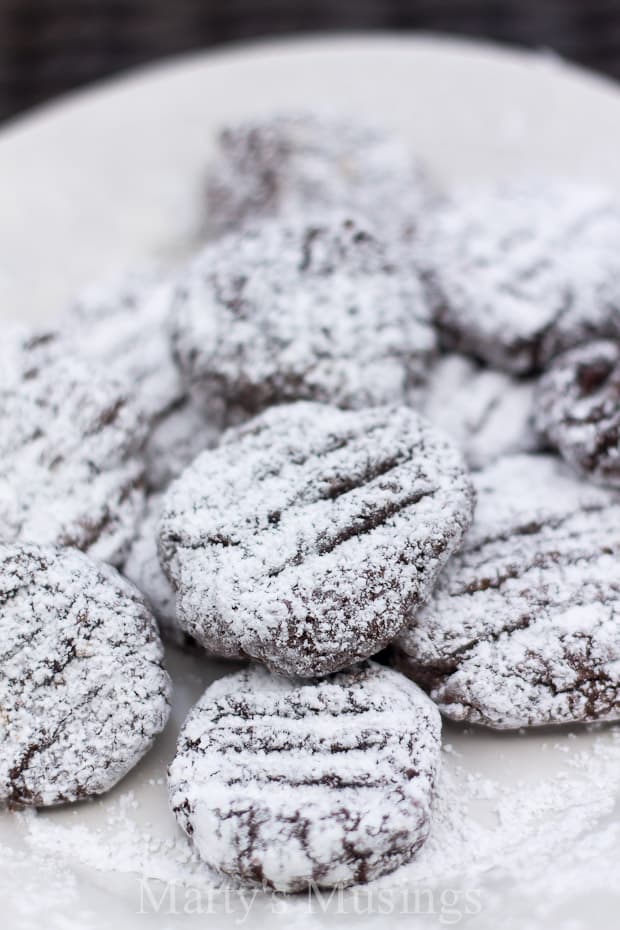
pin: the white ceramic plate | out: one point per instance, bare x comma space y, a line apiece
526, 832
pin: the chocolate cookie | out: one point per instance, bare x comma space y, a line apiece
487, 413
122, 323
522, 627
301, 311
175, 439
295, 163
286, 783
578, 409
82, 689
24, 350
70, 439
142, 568
518, 274
304, 539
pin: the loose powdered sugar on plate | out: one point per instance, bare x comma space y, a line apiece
559, 875
500, 844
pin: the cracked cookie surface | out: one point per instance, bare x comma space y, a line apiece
301, 162
82, 689
306, 536
70, 441
522, 628
578, 409
517, 274
282, 783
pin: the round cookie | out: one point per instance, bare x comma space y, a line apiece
300, 162
519, 273
122, 323
301, 311
142, 568
304, 538
486, 413
70, 468
578, 409
522, 627
82, 687
288, 783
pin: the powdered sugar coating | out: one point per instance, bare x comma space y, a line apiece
519, 273
284, 783
578, 409
487, 413
82, 689
122, 323
142, 568
300, 162
23, 351
306, 536
522, 628
301, 311
175, 440
70, 437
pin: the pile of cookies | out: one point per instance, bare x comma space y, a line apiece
371, 418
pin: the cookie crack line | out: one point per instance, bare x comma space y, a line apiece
330, 819
325, 545
84, 698
318, 568
517, 635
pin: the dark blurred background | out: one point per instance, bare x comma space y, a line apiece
49, 46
